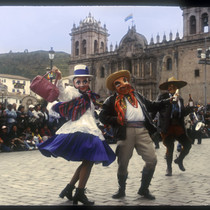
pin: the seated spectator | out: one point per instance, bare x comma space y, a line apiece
30, 142
6, 144
17, 143
28, 131
45, 132
36, 136
23, 138
29, 138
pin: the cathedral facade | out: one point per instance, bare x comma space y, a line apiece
149, 63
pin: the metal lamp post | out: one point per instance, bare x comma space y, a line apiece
204, 59
51, 57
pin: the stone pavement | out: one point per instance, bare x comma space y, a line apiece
30, 179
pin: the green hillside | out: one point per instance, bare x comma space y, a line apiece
30, 64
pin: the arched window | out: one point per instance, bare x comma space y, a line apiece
102, 47
95, 46
192, 25
204, 23
169, 64
102, 73
84, 46
77, 48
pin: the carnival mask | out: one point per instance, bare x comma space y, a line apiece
82, 84
122, 85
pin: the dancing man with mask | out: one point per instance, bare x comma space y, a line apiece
171, 122
127, 111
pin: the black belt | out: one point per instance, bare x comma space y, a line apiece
135, 124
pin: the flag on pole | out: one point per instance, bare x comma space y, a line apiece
129, 17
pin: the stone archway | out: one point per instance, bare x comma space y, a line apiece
27, 100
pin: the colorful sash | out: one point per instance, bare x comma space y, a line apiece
75, 108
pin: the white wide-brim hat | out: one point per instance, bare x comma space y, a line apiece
31, 106
80, 70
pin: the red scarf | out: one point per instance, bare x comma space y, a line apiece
120, 104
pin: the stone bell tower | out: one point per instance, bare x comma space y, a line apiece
89, 38
195, 22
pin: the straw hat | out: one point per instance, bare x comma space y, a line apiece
112, 77
80, 71
178, 83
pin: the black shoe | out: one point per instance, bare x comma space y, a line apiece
146, 194
168, 172
119, 194
67, 191
180, 164
80, 196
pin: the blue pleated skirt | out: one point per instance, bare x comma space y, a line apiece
78, 147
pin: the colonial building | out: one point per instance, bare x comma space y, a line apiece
15, 89
149, 63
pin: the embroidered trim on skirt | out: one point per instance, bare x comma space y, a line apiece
77, 147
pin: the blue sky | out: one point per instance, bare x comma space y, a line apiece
42, 27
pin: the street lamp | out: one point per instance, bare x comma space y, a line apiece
51, 57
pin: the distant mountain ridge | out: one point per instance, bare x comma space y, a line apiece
30, 64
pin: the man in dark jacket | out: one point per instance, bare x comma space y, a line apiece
171, 123
128, 113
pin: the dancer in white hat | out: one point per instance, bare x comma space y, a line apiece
79, 139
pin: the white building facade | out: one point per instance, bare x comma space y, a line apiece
15, 89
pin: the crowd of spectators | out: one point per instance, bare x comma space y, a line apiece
22, 130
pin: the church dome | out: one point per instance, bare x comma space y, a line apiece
134, 37
90, 20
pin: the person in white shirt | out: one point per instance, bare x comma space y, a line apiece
127, 111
